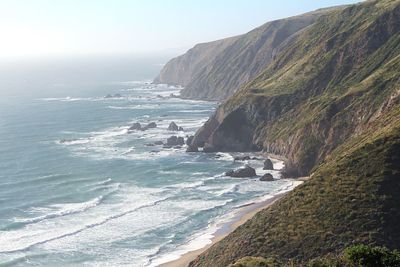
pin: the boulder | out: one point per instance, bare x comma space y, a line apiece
181, 141
173, 127
108, 96
135, 126
242, 172
268, 165
180, 128
158, 143
149, 144
175, 141
241, 158
149, 126
267, 177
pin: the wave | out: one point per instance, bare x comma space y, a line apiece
8, 244
65, 209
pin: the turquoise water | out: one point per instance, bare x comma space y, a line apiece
77, 189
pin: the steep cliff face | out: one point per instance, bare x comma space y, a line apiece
332, 80
214, 71
183, 69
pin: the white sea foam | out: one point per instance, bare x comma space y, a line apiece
59, 210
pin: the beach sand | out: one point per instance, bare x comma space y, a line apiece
246, 213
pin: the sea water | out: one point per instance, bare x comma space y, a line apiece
77, 188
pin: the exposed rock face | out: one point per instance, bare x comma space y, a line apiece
215, 70
175, 141
135, 126
242, 158
267, 177
242, 173
138, 127
173, 127
304, 115
268, 165
151, 125
192, 148
189, 140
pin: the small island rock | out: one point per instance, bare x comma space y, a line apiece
192, 148
242, 173
175, 141
268, 165
267, 177
173, 127
135, 126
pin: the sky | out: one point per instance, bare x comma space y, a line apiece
48, 28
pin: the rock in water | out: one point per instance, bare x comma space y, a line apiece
239, 158
180, 128
117, 96
158, 143
268, 165
192, 148
242, 173
175, 141
267, 177
152, 125
135, 126
173, 127
149, 126
189, 140
108, 96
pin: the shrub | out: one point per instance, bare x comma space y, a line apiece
365, 256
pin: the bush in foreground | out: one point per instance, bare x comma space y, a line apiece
354, 256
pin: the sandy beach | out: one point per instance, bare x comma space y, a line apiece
245, 213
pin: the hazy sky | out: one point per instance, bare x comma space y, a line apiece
65, 27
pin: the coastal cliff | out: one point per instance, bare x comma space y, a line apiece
328, 100
215, 70
327, 86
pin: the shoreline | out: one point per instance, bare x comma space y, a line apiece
243, 215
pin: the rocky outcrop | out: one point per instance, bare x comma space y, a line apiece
268, 165
267, 177
135, 126
247, 171
151, 125
242, 158
192, 148
215, 70
138, 127
175, 141
174, 127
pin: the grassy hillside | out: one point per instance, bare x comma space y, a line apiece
334, 78
330, 103
351, 198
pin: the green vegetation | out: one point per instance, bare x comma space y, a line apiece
330, 103
353, 256
330, 82
215, 70
351, 198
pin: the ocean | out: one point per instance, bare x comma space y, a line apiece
78, 189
